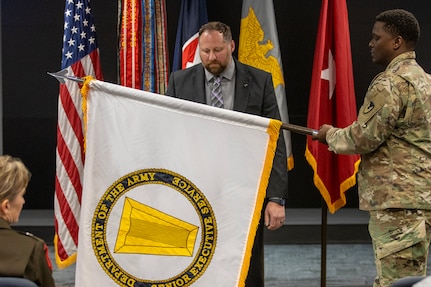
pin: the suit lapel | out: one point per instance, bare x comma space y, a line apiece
198, 79
242, 88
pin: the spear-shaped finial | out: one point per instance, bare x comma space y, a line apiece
62, 75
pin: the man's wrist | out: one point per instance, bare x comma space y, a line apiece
278, 200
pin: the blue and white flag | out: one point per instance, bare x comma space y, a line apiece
162, 182
193, 15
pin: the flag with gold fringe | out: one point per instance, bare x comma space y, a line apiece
162, 182
259, 47
80, 57
332, 101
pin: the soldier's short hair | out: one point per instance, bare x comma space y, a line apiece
217, 26
402, 23
14, 176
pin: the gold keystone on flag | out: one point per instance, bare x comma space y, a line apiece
146, 230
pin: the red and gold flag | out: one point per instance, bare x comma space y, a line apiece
143, 46
332, 101
131, 44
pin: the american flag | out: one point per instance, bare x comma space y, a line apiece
80, 57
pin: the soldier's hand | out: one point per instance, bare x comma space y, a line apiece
321, 134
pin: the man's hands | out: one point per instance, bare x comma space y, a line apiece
321, 135
274, 215
274, 212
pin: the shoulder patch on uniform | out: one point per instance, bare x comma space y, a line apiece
369, 108
25, 233
29, 234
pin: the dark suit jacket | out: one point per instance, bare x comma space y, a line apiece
254, 94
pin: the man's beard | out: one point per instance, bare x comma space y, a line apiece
215, 67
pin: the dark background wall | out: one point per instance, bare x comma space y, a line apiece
32, 33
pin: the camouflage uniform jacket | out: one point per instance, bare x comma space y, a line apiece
393, 135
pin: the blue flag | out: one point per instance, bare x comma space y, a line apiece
193, 15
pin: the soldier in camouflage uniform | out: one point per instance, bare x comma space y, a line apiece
393, 135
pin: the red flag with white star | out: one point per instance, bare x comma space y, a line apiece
332, 101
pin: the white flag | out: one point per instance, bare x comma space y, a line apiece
173, 190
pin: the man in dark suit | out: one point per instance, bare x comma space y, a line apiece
244, 89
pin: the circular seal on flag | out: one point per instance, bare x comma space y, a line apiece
153, 228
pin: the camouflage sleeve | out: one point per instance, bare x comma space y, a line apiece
376, 118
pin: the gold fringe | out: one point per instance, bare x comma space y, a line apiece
273, 131
84, 92
290, 163
344, 186
66, 263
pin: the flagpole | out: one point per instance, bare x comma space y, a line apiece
323, 244
298, 129
61, 76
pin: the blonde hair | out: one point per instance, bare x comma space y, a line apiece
14, 176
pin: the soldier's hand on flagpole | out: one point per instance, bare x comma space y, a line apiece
321, 134
274, 215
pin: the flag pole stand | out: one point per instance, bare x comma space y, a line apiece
323, 244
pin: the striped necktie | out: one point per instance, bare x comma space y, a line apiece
216, 96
